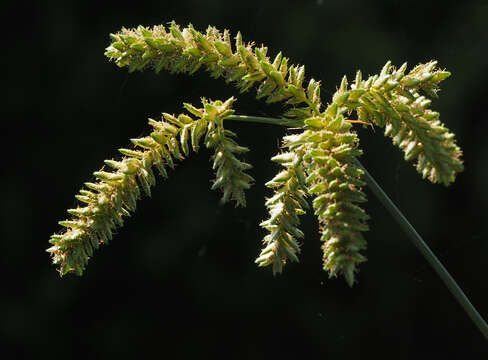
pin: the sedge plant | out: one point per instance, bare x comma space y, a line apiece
320, 171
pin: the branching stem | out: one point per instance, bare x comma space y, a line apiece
410, 231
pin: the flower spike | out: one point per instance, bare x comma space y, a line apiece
284, 208
319, 161
115, 193
400, 103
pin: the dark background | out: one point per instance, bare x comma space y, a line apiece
179, 279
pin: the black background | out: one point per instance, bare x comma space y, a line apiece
179, 279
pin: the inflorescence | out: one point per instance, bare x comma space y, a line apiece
319, 161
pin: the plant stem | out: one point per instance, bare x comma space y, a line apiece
266, 120
410, 231
426, 252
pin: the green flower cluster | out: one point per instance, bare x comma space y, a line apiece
319, 162
185, 51
394, 100
113, 196
230, 178
284, 207
333, 180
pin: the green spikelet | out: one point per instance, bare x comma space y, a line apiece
400, 103
231, 178
115, 193
287, 203
186, 50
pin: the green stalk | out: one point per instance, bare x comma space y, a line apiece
409, 230
420, 244
266, 120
